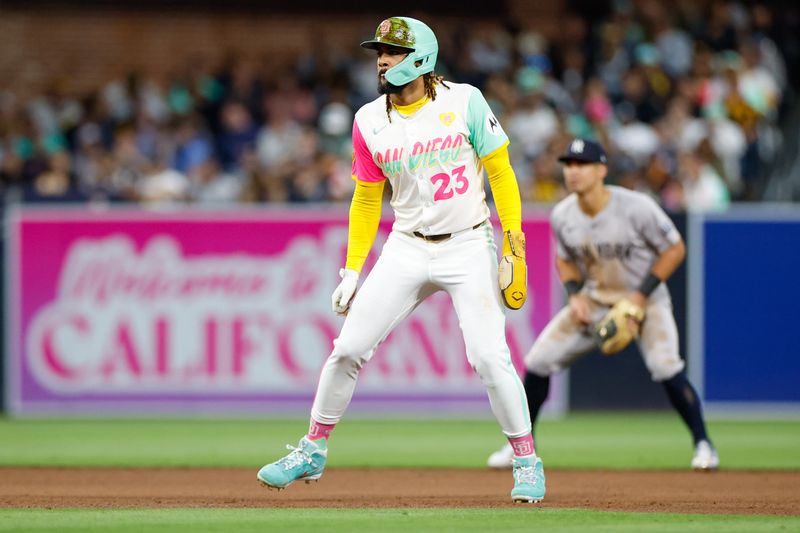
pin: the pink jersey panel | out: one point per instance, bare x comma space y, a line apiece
363, 166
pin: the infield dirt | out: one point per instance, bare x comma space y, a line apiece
725, 492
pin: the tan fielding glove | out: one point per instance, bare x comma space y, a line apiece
513, 272
619, 327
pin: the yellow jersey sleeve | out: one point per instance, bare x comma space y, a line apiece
365, 214
505, 190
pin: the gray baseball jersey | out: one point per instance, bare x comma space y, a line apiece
615, 249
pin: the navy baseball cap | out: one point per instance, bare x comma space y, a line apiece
584, 150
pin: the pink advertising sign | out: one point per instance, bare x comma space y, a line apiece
219, 312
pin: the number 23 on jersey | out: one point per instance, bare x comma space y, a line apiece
443, 181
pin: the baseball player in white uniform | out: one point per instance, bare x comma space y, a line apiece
431, 140
613, 244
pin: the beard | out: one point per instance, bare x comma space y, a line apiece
384, 87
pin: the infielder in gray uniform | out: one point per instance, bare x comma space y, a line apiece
616, 247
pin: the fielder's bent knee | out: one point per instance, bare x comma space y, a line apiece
538, 362
668, 370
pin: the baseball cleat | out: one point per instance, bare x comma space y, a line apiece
306, 462
705, 457
502, 458
528, 480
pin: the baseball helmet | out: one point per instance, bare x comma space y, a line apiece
415, 36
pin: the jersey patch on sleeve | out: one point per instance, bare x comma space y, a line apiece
485, 132
493, 125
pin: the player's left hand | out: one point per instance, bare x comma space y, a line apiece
513, 272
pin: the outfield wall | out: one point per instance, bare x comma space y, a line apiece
95, 325
743, 309
221, 312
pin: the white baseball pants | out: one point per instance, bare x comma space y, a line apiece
409, 270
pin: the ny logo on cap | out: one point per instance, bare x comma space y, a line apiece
576, 147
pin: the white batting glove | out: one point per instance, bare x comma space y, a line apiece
343, 294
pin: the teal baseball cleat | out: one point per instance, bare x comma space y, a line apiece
528, 480
306, 462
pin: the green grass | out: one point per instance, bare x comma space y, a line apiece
579, 441
381, 520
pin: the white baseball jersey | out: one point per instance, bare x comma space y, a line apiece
431, 158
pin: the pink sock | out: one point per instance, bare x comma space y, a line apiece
318, 431
523, 445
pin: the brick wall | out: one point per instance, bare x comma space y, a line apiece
83, 48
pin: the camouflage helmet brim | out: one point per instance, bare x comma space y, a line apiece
373, 44
395, 32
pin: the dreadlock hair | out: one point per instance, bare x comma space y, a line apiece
431, 80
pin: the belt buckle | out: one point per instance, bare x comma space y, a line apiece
443, 236
433, 238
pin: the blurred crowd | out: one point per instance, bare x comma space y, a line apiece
687, 99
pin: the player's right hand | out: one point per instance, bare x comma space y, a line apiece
580, 309
343, 295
